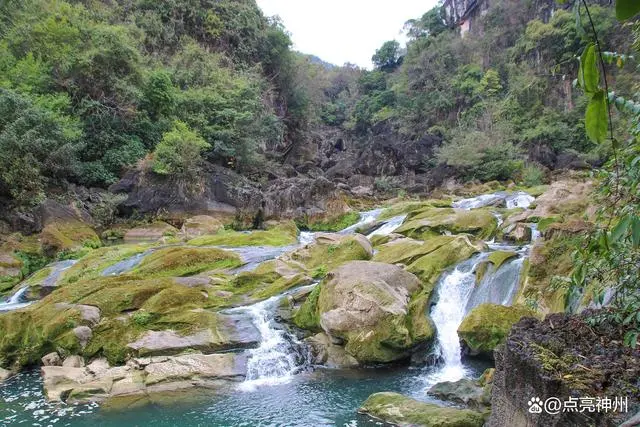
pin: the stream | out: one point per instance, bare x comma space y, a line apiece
282, 387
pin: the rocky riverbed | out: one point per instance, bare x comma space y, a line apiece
406, 303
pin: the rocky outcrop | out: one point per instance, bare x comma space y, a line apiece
223, 193
201, 224
10, 271
487, 326
367, 306
563, 357
326, 352
437, 221
472, 393
150, 232
99, 381
396, 409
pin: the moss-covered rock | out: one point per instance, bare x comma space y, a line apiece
185, 261
330, 250
200, 225
68, 236
93, 264
281, 234
150, 232
408, 207
436, 221
488, 325
401, 410
549, 259
497, 258
335, 223
366, 304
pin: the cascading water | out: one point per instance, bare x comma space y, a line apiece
367, 217
16, 300
388, 227
519, 199
125, 265
280, 354
497, 287
453, 291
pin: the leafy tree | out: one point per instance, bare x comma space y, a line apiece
179, 154
37, 147
388, 57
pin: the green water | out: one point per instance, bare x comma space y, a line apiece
319, 398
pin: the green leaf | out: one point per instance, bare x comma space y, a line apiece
635, 231
596, 117
626, 9
621, 228
589, 72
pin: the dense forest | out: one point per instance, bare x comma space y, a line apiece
90, 89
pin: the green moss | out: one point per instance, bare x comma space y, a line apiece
437, 221
498, 258
347, 248
30, 333
333, 224
68, 236
186, 261
308, 316
545, 222
281, 235
94, 263
397, 409
408, 207
488, 325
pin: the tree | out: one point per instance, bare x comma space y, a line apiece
180, 152
388, 57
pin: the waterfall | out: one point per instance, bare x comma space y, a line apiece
453, 291
16, 301
367, 217
280, 354
125, 265
497, 287
519, 199
388, 227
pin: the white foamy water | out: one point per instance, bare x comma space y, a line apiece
453, 291
366, 218
519, 199
279, 356
388, 227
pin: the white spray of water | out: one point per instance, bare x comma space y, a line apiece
279, 356
453, 291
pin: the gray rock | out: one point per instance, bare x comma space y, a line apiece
52, 359
84, 334
73, 362
4, 374
325, 352
89, 313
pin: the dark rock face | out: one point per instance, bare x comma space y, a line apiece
563, 357
222, 191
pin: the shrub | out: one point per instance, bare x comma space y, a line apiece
179, 152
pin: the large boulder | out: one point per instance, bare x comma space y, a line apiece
396, 409
367, 304
201, 224
68, 235
437, 221
487, 326
150, 232
472, 393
